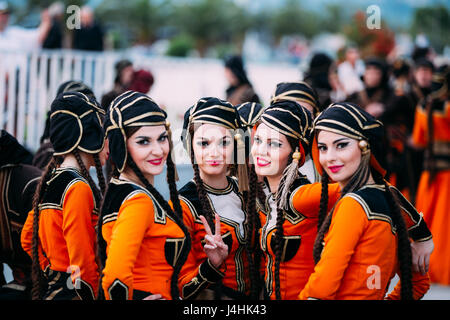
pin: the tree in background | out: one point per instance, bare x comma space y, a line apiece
211, 22
371, 42
134, 21
292, 19
434, 22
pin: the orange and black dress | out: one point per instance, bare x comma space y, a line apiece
432, 196
68, 215
229, 205
360, 253
143, 245
299, 232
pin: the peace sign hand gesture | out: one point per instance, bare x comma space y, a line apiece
215, 248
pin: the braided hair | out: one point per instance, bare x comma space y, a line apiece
37, 276
358, 180
279, 230
404, 246
207, 211
253, 224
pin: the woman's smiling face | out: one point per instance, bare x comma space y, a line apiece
339, 156
270, 151
149, 147
213, 149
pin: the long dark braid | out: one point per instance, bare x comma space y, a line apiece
404, 247
176, 217
100, 175
207, 211
36, 272
101, 248
278, 235
323, 207
86, 175
252, 245
174, 197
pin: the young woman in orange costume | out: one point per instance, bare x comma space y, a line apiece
290, 215
211, 140
432, 132
143, 243
59, 233
363, 242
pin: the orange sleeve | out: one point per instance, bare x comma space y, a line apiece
80, 236
420, 128
26, 236
133, 221
26, 239
421, 285
348, 224
306, 198
196, 274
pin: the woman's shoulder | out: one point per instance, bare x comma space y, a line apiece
62, 180
373, 202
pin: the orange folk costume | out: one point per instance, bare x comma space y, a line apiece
69, 210
142, 249
228, 203
299, 232
143, 241
359, 257
433, 192
67, 235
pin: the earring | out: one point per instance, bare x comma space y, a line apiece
364, 146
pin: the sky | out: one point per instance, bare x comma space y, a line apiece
397, 13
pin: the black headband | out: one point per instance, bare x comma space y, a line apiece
75, 122
130, 109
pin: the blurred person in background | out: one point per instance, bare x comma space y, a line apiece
317, 77
142, 81
19, 38
350, 71
422, 76
18, 182
432, 133
90, 35
376, 94
54, 38
122, 81
240, 89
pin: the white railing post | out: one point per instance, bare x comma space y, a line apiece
22, 91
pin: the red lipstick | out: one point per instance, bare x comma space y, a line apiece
155, 162
335, 169
261, 162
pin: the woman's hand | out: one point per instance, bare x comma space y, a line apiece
215, 248
421, 252
154, 297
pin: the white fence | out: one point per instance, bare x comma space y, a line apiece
29, 82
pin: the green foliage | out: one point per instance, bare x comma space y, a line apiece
211, 22
293, 19
434, 22
180, 46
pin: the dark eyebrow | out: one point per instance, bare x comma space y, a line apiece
335, 141
149, 138
339, 140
